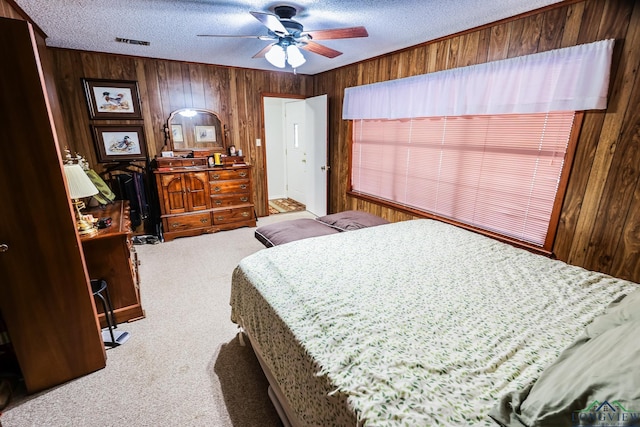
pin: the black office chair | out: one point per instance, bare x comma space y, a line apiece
111, 338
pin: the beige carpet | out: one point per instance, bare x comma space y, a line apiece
183, 365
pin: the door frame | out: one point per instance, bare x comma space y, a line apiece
264, 138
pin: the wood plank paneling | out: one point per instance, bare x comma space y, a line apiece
579, 31
165, 86
499, 42
552, 29
8, 9
620, 87
622, 177
572, 24
605, 153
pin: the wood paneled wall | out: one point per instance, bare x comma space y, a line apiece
600, 220
234, 93
8, 10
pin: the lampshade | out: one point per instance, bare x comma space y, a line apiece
276, 56
294, 56
79, 183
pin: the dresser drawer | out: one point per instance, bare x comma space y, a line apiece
230, 201
221, 175
232, 215
229, 187
165, 162
186, 222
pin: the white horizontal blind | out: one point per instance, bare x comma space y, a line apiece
495, 172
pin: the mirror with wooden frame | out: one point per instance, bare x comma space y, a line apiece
195, 129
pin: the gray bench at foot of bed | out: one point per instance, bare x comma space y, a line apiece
296, 229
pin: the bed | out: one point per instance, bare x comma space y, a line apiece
422, 323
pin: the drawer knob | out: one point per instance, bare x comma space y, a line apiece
204, 220
220, 218
243, 186
244, 199
243, 174
216, 189
176, 225
245, 214
216, 176
218, 203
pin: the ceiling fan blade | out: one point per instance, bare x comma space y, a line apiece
321, 50
338, 33
270, 21
263, 51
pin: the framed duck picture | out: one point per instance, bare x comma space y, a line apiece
112, 99
119, 143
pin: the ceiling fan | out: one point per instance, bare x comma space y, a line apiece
289, 37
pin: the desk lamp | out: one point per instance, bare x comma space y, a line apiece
80, 186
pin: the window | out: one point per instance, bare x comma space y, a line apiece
499, 173
485, 145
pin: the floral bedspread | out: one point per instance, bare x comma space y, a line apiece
416, 323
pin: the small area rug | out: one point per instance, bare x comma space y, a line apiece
285, 205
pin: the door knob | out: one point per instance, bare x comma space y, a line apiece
4, 248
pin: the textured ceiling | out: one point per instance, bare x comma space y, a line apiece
172, 26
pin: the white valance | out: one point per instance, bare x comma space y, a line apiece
569, 79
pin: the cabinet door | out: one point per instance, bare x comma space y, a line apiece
197, 190
174, 193
45, 296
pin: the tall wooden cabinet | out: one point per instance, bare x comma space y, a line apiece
201, 199
45, 295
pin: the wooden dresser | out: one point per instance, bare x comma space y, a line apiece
110, 255
197, 199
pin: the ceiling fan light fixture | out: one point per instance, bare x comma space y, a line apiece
276, 56
295, 57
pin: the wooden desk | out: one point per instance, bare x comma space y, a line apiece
110, 255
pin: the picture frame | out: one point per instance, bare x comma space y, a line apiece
176, 132
119, 143
112, 99
205, 133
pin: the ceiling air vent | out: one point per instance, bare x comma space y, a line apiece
129, 41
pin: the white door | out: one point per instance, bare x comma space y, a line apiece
297, 168
317, 167
296, 150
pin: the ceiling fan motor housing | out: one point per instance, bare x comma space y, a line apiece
285, 12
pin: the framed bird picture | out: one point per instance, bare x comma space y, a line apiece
112, 99
119, 143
